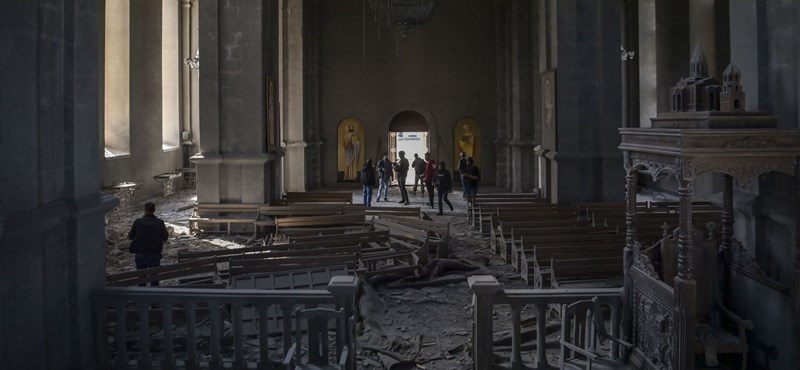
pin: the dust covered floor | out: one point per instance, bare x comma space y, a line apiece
425, 327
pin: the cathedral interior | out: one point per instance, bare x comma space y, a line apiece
674, 120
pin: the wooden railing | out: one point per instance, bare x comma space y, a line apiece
173, 321
487, 293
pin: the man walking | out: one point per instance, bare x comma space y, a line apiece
384, 168
368, 181
148, 235
462, 167
472, 177
418, 164
430, 176
402, 172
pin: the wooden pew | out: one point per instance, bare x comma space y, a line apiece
335, 197
222, 214
536, 258
310, 225
577, 233
438, 232
502, 236
204, 269
379, 211
593, 270
405, 237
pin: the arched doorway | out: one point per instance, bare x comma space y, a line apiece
409, 132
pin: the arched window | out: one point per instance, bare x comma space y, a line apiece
170, 71
116, 120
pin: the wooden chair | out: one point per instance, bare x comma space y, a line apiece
581, 326
318, 347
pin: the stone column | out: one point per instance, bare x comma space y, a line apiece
208, 159
796, 283
291, 96
52, 254
186, 79
702, 31
483, 289
685, 287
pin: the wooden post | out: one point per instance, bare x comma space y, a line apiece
685, 287
630, 243
483, 289
344, 289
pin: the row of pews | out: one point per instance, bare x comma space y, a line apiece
576, 245
308, 240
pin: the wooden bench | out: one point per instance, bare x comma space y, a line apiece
593, 271
438, 232
204, 269
487, 212
378, 211
310, 225
474, 200
502, 236
536, 258
558, 233
335, 197
405, 237
246, 266
476, 208
222, 214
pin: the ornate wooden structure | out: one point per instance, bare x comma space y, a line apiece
741, 145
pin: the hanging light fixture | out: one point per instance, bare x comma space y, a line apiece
402, 16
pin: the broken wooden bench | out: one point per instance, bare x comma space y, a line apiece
333, 197
201, 271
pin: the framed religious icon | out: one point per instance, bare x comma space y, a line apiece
351, 150
549, 110
466, 139
272, 120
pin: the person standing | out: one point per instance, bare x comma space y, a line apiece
402, 172
418, 164
384, 168
462, 167
472, 175
444, 183
368, 181
147, 236
430, 176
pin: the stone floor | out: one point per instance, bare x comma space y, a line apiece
430, 326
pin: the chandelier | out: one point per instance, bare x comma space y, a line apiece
403, 16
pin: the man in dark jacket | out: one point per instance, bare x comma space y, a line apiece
402, 171
384, 168
472, 178
368, 181
430, 174
444, 183
148, 235
418, 164
462, 167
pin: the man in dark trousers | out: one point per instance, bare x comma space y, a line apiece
148, 235
472, 178
430, 176
402, 172
418, 164
462, 167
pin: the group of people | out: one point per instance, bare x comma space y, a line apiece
427, 174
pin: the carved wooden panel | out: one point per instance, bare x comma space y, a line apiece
652, 321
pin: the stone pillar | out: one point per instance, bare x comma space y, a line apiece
186, 79
233, 159
685, 287
663, 54
796, 282
502, 53
291, 96
702, 31
52, 253
483, 289
208, 159
586, 161
521, 62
